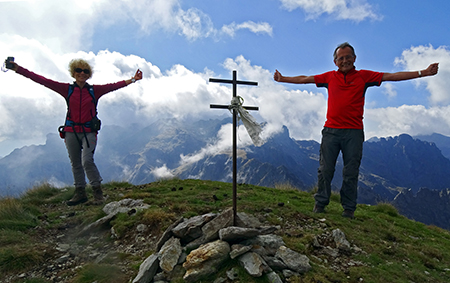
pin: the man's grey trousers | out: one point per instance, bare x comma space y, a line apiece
350, 142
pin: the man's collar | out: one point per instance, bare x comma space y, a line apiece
349, 72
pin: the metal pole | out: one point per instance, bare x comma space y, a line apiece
234, 154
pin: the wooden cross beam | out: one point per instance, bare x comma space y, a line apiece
235, 82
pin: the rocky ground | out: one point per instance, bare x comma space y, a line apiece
66, 251
69, 247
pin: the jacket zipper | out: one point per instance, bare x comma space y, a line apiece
81, 100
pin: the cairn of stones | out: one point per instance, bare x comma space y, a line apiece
194, 249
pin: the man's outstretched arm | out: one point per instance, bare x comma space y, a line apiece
402, 76
293, 80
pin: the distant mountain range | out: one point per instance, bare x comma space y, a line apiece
398, 169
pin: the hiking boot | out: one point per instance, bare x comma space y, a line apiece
318, 209
78, 197
98, 195
348, 214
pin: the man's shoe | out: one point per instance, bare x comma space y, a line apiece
318, 209
348, 214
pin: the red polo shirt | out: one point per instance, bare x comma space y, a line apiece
346, 96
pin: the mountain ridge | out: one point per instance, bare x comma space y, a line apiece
138, 155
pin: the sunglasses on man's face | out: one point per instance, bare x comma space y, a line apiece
86, 71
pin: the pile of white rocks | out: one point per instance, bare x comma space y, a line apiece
194, 249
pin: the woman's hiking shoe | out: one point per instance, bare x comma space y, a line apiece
318, 209
79, 197
348, 214
98, 195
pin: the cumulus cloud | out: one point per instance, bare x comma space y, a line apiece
26, 107
354, 10
162, 172
69, 27
182, 93
410, 119
418, 58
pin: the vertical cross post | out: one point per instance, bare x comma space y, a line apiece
235, 82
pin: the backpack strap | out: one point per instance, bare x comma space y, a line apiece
91, 92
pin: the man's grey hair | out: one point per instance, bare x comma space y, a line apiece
343, 45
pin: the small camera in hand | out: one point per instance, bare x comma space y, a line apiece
8, 63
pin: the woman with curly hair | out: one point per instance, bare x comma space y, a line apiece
82, 125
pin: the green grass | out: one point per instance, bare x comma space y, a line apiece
100, 273
395, 249
14, 215
17, 258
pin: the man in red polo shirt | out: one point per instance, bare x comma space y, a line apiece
343, 129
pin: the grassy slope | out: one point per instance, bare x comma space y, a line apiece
395, 249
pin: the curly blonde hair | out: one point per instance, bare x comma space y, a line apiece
79, 63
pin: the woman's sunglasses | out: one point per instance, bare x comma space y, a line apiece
86, 71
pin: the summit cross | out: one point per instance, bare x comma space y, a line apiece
235, 82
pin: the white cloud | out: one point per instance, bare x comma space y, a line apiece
162, 172
169, 16
30, 111
195, 24
301, 111
410, 119
259, 28
304, 112
355, 10
389, 90
70, 27
418, 58
26, 107
416, 119
62, 28
219, 146
150, 15
179, 92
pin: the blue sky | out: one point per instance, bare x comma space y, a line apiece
181, 44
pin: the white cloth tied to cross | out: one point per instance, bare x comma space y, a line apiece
253, 128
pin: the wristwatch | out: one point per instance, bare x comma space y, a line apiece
133, 80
